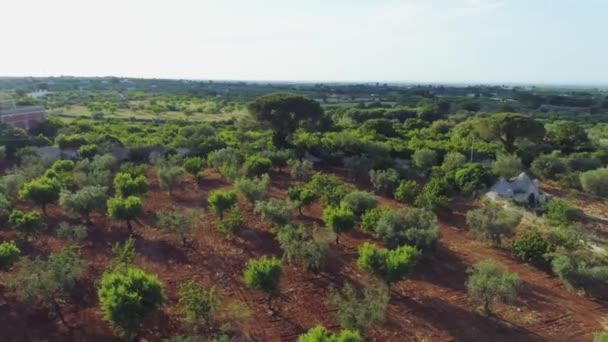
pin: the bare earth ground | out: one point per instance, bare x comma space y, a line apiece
430, 306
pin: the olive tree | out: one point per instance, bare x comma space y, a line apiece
274, 211
388, 265
424, 158
253, 189
489, 282
197, 304
595, 182
169, 177
302, 195
125, 209
263, 274
180, 223
408, 226
85, 200
358, 309
359, 201
491, 222
41, 191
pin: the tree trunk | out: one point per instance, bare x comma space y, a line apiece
44, 209
300, 210
269, 301
486, 306
129, 226
337, 239
57, 310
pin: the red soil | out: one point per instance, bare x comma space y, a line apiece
432, 305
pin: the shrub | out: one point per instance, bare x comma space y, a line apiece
85, 200
580, 272
424, 158
491, 222
224, 156
384, 181
408, 226
548, 166
135, 170
507, 166
256, 166
453, 160
320, 334
369, 219
432, 200
489, 282
339, 220
197, 304
359, 201
5, 207
41, 191
253, 189
388, 265
407, 191
298, 245
263, 274
356, 310
300, 169
582, 162
302, 195
530, 247
26, 223
473, 177
278, 158
560, 213
220, 201
9, 254
274, 211
127, 296
233, 222
126, 209
595, 182
87, 151
330, 189
193, 165
73, 233
10, 185
128, 185
169, 177
180, 223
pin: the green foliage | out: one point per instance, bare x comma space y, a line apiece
489, 282
232, 223
384, 181
253, 189
127, 184
453, 160
600, 337
85, 200
407, 191
359, 202
473, 177
560, 213
388, 265
491, 222
357, 310
127, 296
278, 158
9, 254
87, 151
41, 191
298, 245
126, 209
548, 166
580, 271
583, 161
566, 135
220, 201
256, 165
71, 232
11, 184
508, 127
224, 156
408, 226
424, 158
133, 169
320, 334
5, 207
303, 195
274, 211
330, 189
124, 254
197, 304
300, 169
507, 166
369, 219
431, 197
595, 182
263, 274
180, 223
339, 220
170, 177
531, 247
193, 165
26, 223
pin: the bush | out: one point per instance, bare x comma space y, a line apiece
595, 182
85, 200
5, 207
41, 191
9, 254
424, 158
384, 181
302, 195
548, 166
224, 156
135, 170
491, 222
453, 160
507, 166
274, 211
87, 151
180, 223
339, 220
356, 310
253, 189
581, 272
298, 245
560, 213
278, 158
320, 334
263, 274
300, 169
489, 282
193, 165
388, 265
220, 201
369, 219
358, 167
169, 177
197, 304
359, 201
10, 185
73, 233
531, 247
407, 191
127, 296
232, 224
408, 226
473, 177
256, 166
330, 189
126, 209
127, 185
26, 223
582, 162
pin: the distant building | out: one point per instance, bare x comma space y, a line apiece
23, 117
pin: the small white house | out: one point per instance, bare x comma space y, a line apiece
521, 189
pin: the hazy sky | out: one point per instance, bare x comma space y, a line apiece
540, 41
